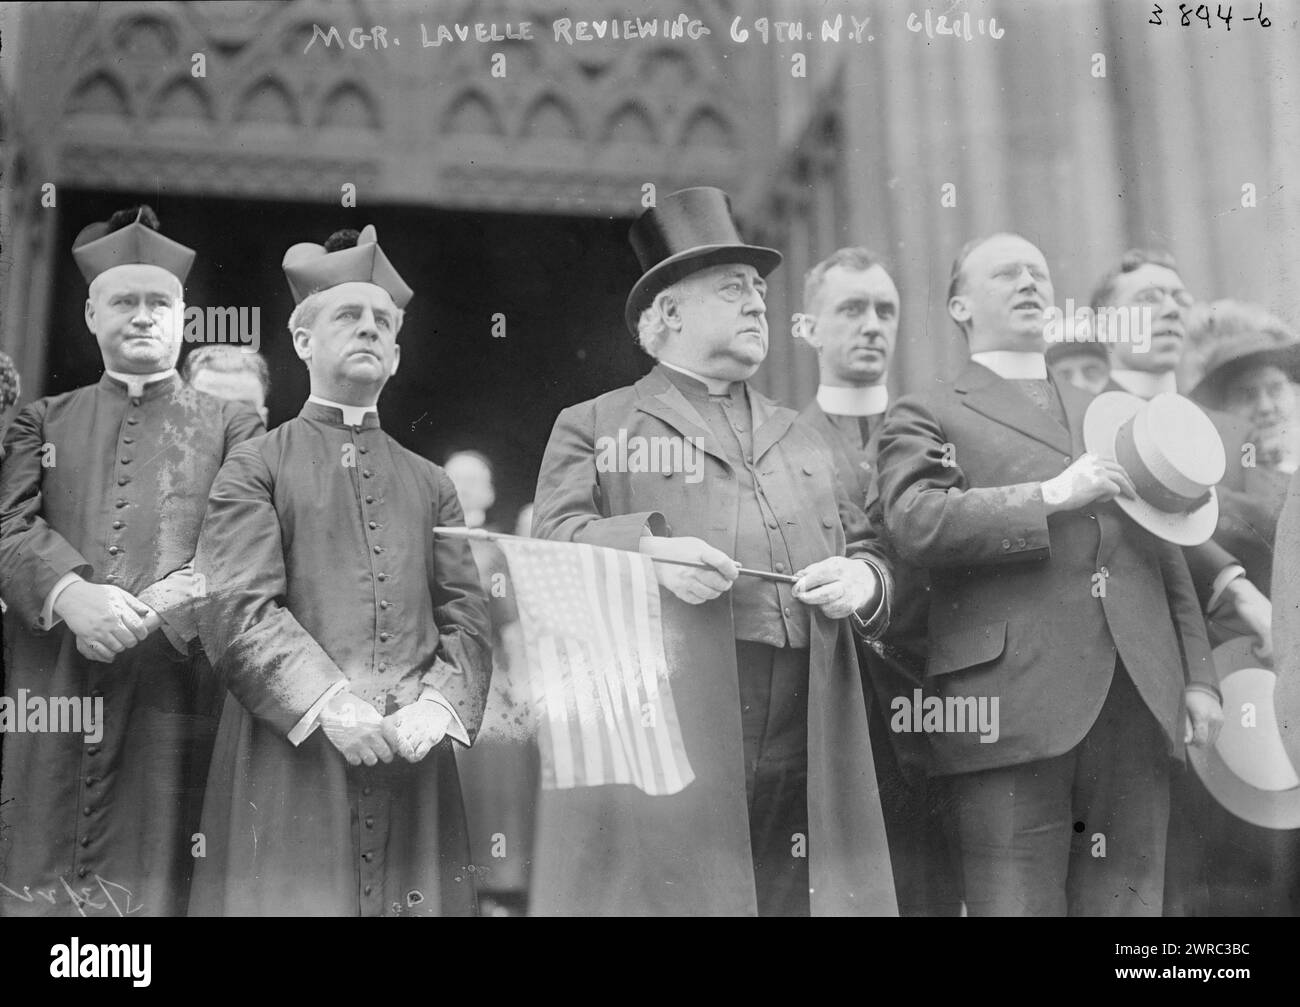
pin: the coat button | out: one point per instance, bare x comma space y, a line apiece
771, 522
366, 473
91, 781
132, 420
82, 871
383, 604
378, 549
372, 525
787, 612
363, 449
826, 522
780, 568
120, 503
113, 550
807, 470
87, 811
92, 750
382, 576
367, 856
385, 636
128, 440
85, 841
119, 524
370, 499
123, 480
125, 460
365, 791
367, 890
370, 821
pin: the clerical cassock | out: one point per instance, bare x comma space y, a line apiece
324, 574
107, 484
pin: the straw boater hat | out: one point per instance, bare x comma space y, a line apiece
1173, 455
1249, 770
688, 230
310, 267
98, 248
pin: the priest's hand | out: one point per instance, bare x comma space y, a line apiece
414, 730
356, 729
838, 586
692, 585
105, 619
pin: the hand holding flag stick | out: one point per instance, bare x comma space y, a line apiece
480, 533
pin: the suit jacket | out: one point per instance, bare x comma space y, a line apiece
1025, 608
612, 850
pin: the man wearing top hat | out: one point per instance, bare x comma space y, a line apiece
102, 493
1079, 620
783, 817
354, 643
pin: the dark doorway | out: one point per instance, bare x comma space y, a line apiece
559, 281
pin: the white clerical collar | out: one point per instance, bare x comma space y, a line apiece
1013, 364
716, 386
353, 416
868, 400
1146, 384
135, 382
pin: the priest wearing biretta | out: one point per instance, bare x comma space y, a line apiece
110, 708
355, 645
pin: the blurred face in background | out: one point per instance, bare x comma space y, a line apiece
1264, 397
473, 481
1083, 370
237, 386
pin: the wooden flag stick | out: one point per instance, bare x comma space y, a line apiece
484, 535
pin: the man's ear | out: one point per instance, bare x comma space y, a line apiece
959, 309
672, 312
302, 343
805, 328
397, 358
90, 314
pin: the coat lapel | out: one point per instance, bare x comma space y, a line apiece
994, 397
770, 421
663, 400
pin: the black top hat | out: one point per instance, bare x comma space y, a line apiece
688, 230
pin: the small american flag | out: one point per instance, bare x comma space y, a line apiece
591, 625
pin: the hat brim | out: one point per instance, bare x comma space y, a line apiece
692, 260
1106, 414
1243, 681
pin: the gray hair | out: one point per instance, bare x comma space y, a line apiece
304, 315
652, 326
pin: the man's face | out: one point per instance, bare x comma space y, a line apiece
1004, 296
1159, 289
1264, 398
237, 386
135, 312
854, 325
1083, 370
351, 348
722, 331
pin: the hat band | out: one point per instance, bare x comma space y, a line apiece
1148, 486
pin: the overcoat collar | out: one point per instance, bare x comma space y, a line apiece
659, 397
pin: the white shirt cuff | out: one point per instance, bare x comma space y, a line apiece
311, 719
456, 731
48, 619
1226, 576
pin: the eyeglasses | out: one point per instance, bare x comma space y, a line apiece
1155, 297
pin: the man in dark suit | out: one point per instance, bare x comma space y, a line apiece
1046, 598
850, 318
1233, 604
783, 816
